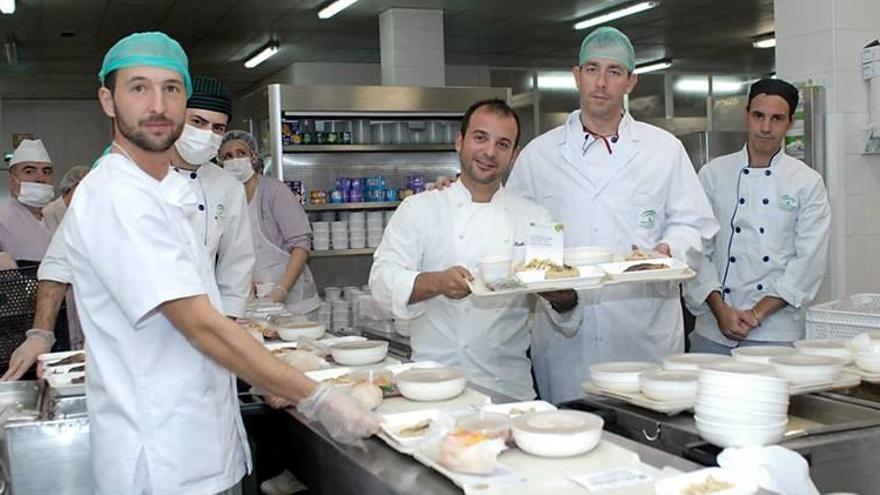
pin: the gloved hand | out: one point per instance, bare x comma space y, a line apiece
37, 342
277, 294
343, 417
6, 262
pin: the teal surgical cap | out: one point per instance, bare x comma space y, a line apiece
152, 49
609, 43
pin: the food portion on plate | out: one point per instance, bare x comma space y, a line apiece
470, 451
644, 267
77, 358
415, 430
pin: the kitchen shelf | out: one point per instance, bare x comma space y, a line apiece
341, 252
367, 205
335, 148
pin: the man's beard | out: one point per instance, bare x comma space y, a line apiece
140, 138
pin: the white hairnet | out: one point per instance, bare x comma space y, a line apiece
73, 177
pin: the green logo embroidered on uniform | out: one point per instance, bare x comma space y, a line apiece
647, 219
788, 202
221, 210
559, 227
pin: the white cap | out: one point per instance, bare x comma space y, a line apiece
30, 151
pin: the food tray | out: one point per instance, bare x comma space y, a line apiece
845, 380
479, 288
670, 408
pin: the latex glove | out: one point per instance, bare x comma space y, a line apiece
343, 417
277, 294
276, 402
6, 262
778, 469
37, 342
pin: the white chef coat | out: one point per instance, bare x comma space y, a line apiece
645, 192
773, 242
436, 230
222, 227
163, 416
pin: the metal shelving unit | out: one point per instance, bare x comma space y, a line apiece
371, 205
342, 252
361, 148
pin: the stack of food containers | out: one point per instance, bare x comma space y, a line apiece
375, 228
340, 317
357, 230
339, 234
320, 236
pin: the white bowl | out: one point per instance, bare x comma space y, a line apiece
868, 362
804, 368
692, 361
359, 353
738, 372
562, 433
495, 268
293, 331
588, 255
667, 385
735, 417
620, 376
742, 405
825, 347
728, 435
744, 385
761, 354
431, 384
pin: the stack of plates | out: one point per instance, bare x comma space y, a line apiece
620, 376
741, 403
761, 354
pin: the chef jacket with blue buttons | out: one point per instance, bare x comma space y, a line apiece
436, 230
776, 226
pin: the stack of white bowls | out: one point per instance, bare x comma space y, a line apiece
375, 227
339, 234
324, 314
320, 236
340, 316
741, 403
357, 229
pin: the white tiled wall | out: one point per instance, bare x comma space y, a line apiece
821, 40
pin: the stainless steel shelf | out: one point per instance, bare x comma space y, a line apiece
342, 252
351, 148
372, 205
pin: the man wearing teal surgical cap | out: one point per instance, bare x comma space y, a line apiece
614, 182
162, 357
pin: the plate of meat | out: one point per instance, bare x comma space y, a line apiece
658, 269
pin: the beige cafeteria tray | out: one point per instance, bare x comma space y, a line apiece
639, 399
479, 288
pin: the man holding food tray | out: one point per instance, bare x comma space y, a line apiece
613, 182
422, 267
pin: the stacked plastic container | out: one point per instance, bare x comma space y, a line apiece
375, 228
339, 234
357, 229
320, 236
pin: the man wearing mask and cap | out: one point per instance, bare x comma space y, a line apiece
23, 235
221, 222
53, 213
613, 181
163, 409
768, 260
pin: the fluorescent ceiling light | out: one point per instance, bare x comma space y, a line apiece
335, 8
765, 42
7, 6
556, 80
701, 85
616, 14
653, 66
265, 53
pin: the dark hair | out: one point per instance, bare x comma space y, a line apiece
776, 87
495, 105
110, 81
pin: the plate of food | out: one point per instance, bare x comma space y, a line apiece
647, 270
68, 384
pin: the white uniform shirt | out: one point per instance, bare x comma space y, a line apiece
773, 242
437, 230
164, 418
222, 227
646, 192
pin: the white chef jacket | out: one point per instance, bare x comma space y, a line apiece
645, 192
436, 230
22, 236
773, 242
222, 227
163, 416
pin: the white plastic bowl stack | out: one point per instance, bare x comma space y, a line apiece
866, 351
339, 234
620, 376
357, 229
825, 347
340, 315
320, 236
761, 354
741, 403
375, 227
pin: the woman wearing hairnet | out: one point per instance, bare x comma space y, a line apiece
54, 211
281, 232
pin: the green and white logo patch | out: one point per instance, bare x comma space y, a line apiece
788, 202
647, 219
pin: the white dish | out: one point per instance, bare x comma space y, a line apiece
735, 369
587, 276
728, 435
51, 357
665, 385
588, 255
359, 353
620, 376
292, 331
400, 368
64, 386
677, 485
331, 341
495, 268
736, 417
804, 368
329, 374
692, 361
562, 433
616, 271
742, 405
868, 362
431, 384
394, 425
825, 347
516, 409
760, 354
744, 385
